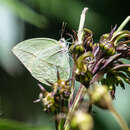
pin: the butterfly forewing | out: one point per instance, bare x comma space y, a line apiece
28, 50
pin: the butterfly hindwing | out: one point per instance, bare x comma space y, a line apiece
48, 66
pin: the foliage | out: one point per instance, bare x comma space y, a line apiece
13, 125
24, 12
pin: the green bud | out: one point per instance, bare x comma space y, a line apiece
101, 45
107, 48
77, 49
111, 51
71, 49
81, 121
84, 78
100, 96
49, 102
62, 88
110, 87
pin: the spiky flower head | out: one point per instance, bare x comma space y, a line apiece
57, 99
102, 61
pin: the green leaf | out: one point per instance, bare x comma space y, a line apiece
24, 12
14, 125
42, 57
69, 11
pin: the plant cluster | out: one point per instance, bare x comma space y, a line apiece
99, 68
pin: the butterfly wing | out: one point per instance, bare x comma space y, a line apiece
45, 68
28, 50
61, 61
34, 54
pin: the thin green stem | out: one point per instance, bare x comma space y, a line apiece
119, 37
72, 83
61, 124
74, 105
77, 98
80, 91
118, 118
56, 123
111, 108
121, 26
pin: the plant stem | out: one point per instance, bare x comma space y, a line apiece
61, 125
73, 78
77, 98
80, 32
111, 108
81, 25
75, 103
118, 118
121, 26
72, 86
80, 91
56, 123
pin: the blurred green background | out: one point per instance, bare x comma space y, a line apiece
24, 19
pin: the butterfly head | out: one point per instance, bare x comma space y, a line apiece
63, 44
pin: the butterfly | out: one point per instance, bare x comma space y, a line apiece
42, 57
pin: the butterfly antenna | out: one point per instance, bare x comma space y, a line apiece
51, 84
71, 37
63, 29
58, 74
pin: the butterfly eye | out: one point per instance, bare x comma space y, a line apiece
62, 40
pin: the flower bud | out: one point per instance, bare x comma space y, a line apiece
49, 102
62, 88
107, 47
100, 96
77, 49
129, 69
81, 121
